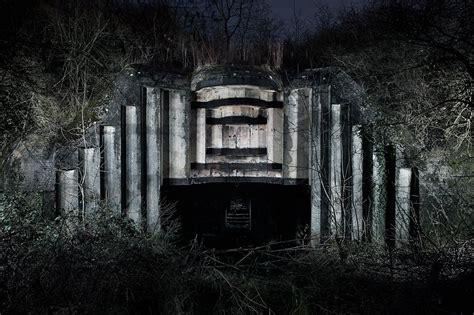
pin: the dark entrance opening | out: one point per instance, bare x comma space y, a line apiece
230, 215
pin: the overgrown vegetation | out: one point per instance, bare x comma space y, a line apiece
414, 61
108, 266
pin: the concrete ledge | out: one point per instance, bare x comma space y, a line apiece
231, 166
237, 101
235, 75
235, 180
237, 152
237, 120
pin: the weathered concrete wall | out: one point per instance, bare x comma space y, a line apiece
30, 166
67, 196
243, 126
239, 127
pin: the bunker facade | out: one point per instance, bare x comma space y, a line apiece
247, 157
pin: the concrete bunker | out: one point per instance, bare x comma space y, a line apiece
249, 158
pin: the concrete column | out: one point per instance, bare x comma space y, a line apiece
402, 210
357, 197
89, 161
201, 136
315, 166
296, 149
178, 135
291, 136
367, 182
111, 172
67, 194
324, 163
390, 192
378, 197
415, 205
153, 159
337, 222
131, 158
346, 171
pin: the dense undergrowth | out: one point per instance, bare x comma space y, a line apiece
108, 266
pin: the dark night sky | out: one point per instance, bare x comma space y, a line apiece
307, 8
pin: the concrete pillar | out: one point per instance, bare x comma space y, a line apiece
67, 194
357, 196
153, 159
315, 167
415, 205
178, 135
201, 135
131, 158
378, 197
391, 191
346, 171
367, 182
403, 206
296, 149
337, 221
111, 168
291, 136
323, 165
89, 161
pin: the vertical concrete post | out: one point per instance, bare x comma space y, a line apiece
304, 108
291, 136
390, 190
131, 158
296, 134
357, 196
325, 159
403, 206
415, 205
111, 168
337, 222
67, 194
315, 166
153, 160
89, 161
368, 182
201, 136
379, 196
178, 135
346, 171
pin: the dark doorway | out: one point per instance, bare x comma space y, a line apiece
229, 215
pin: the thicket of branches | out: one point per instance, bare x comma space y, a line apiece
413, 59
108, 266
59, 59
